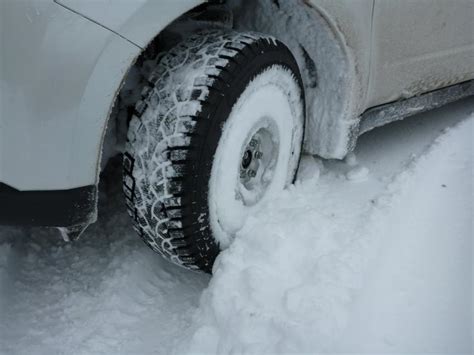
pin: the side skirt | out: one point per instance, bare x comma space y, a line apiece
398, 110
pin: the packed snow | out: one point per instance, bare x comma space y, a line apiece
369, 254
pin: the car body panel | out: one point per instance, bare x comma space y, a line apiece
394, 50
58, 78
60, 73
352, 19
419, 47
137, 20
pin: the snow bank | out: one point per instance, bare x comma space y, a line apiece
292, 278
417, 297
288, 280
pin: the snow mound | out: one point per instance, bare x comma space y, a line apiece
290, 280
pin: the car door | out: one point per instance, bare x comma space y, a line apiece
419, 46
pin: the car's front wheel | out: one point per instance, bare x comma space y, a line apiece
218, 132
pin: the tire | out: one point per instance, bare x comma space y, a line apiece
181, 135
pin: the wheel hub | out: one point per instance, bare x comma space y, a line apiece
247, 159
258, 158
251, 161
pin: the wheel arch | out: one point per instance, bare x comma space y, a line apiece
115, 71
335, 82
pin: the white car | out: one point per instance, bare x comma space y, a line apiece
211, 103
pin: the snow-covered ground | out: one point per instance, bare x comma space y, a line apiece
373, 254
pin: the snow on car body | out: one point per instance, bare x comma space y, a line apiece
64, 64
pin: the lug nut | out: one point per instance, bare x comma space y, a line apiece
252, 173
253, 143
258, 155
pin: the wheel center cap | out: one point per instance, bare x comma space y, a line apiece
247, 159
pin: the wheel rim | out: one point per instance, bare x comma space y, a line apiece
258, 151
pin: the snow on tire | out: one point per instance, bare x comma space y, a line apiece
219, 129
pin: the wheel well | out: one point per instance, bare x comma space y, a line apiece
326, 62
214, 14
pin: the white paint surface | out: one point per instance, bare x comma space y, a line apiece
137, 20
58, 80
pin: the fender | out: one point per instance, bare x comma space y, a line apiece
52, 106
58, 82
139, 21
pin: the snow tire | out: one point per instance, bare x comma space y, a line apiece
175, 131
